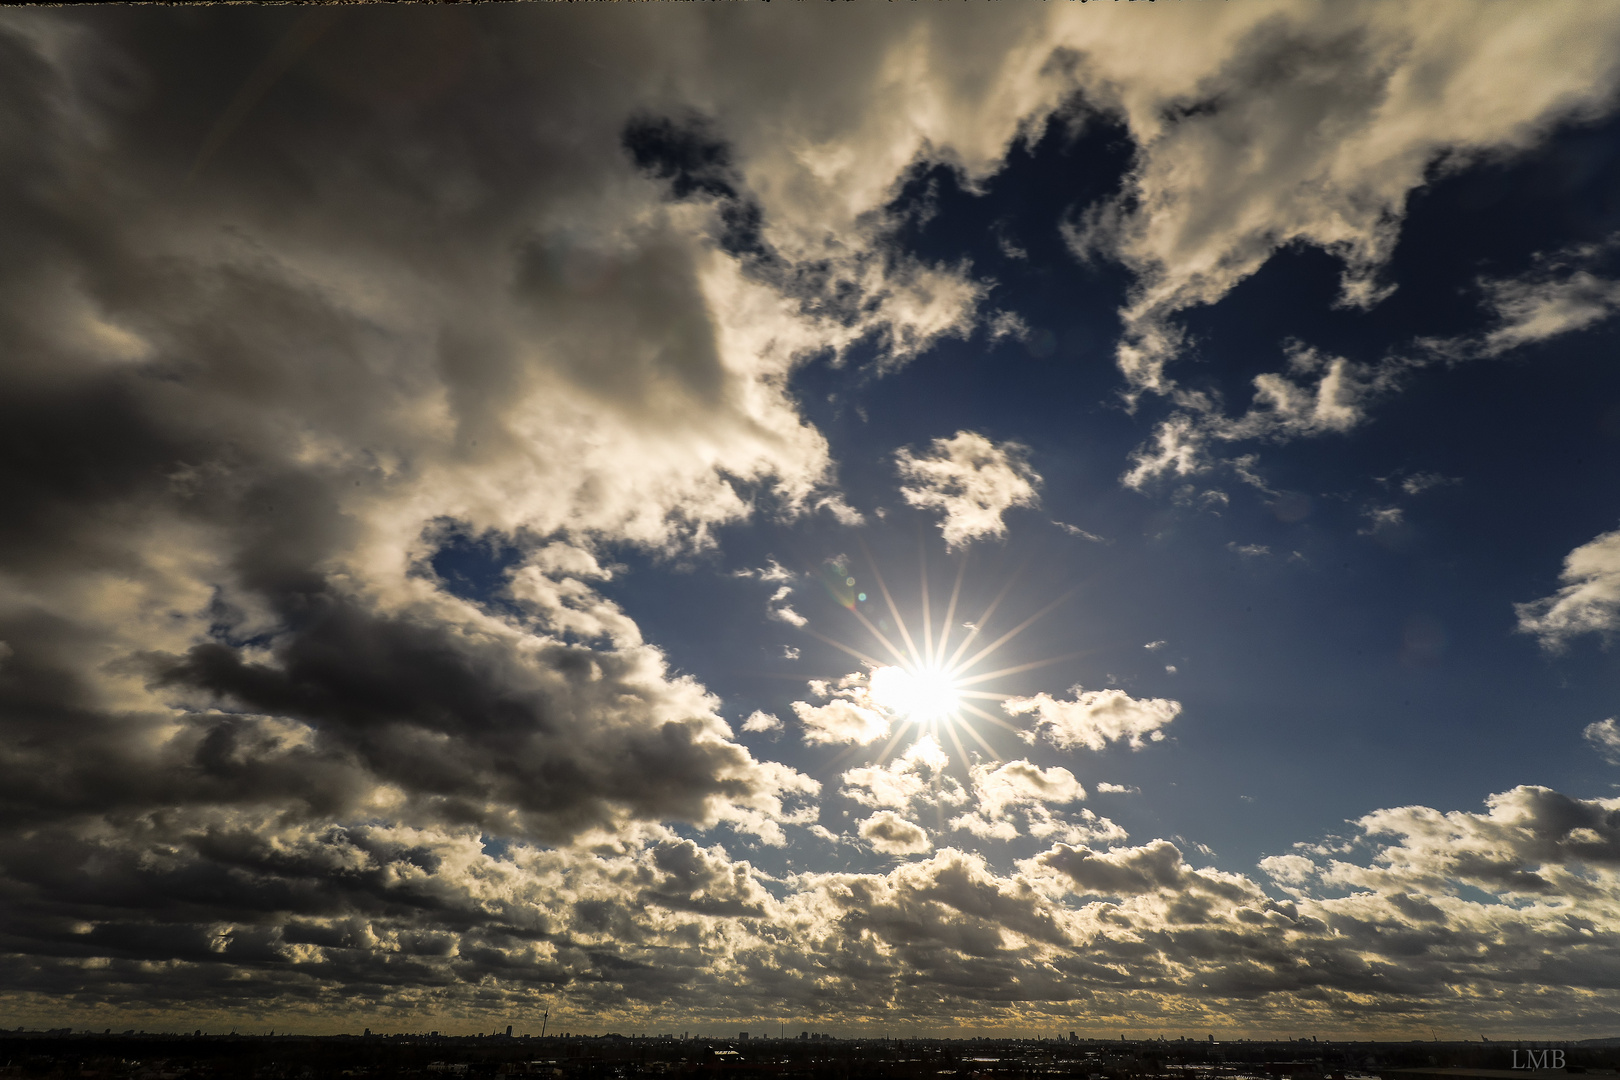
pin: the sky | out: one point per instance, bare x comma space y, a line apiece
879, 518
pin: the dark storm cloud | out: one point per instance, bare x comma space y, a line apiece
481, 733
241, 388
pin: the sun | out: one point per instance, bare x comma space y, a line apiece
931, 678
924, 695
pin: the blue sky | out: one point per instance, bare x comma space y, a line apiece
456, 459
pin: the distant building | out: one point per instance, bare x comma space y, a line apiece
508, 1031
742, 1036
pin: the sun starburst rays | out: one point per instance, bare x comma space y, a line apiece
927, 678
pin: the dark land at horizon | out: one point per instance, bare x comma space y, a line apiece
64, 1053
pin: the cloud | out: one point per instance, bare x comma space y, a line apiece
1536, 310
1288, 870
260, 407
1105, 788
1589, 602
771, 571
1019, 783
1095, 718
1420, 482
259, 757
1283, 408
1318, 395
776, 607
972, 480
840, 721
1560, 294
1381, 520
1005, 791
890, 834
1248, 551
1175, 449
284, 400
1286, 128
762, 722
1604, 735
1524, 846
1075, 530
781, 611
1282, 129
1321, 395
851, 716
1440, 906
1008, 323
1152, 868
917, 773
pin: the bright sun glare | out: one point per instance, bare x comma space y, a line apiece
924, 695
932, 678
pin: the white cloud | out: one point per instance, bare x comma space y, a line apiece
1075, 530
1085, 827
890, 834
1288, 869
545, 586
1522, 847
919, 772
1292, 128
1588, 603
762, 722
1248, 551
1004, 324
841, 721
985, 828
1096, 717
1318, 395
777, 609
1315, 130
972, 480
1558, 295
1175, 449
851, 716
1105, 788
1604, 735
1020, 783
1537, 310
1004, 792
771, 571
